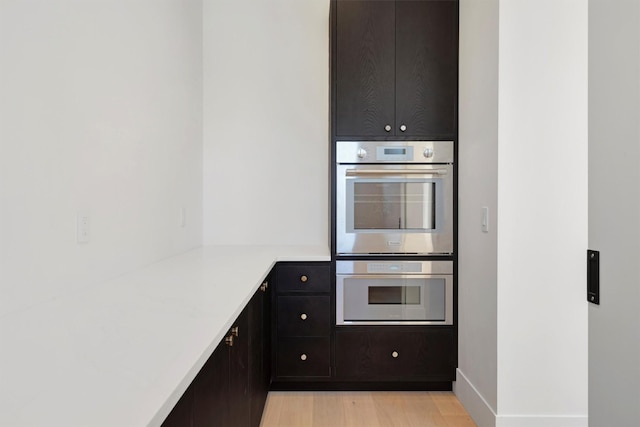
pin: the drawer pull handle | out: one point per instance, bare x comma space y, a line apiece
229, 340
235, 331
303, 357
303, 316
303, 278
394, 354
264, 286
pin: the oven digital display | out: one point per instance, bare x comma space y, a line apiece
394, 154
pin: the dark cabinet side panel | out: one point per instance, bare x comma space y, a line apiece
365, 35
211, 390
427, 67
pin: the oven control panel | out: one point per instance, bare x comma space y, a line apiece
394, 152
344, 267
394, 267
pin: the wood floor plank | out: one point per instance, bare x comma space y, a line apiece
364, 409
359, 410
328, 410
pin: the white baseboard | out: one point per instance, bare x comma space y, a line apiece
541, 421
478, 408
484, 415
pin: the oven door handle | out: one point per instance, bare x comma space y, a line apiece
354, 172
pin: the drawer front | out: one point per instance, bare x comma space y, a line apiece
395, 355
303, 357
303, 278
304, 316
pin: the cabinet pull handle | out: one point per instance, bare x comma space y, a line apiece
303, 316
303, 357
229, 340
387, 128
403, 127
303, 278
264, 286
234, 331
394, 354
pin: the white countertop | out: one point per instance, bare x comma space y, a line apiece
123, 352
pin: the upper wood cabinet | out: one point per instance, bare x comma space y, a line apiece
395, 71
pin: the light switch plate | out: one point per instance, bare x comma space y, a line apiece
485, 219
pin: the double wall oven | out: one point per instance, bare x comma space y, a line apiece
394, 232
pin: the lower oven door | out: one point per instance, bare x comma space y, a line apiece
394, 209
388, 298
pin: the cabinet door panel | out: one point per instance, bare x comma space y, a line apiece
426, 67
259, 361
211, 390
304, 357
239, 403
395, 355
303, 278
304, 316
365, 33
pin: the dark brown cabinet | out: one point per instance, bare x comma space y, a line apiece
182, 414
259, 354
302, 319
396, 68
231, 388
304, 316
388, 354
211, 395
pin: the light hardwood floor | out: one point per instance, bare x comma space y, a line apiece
364, 409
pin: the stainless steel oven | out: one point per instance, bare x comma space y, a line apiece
394, 197
394, 292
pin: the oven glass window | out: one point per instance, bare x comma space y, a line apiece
393, 298
394, 295
394, 205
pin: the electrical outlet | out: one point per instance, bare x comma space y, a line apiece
83, 227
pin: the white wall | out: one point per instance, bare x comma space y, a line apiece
266, 122
614, 211
100, 111
476, 384
542, 204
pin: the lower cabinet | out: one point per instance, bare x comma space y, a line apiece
211, 396
286, 339
231, 388
259, 353
302, 322
394, 354
303, 357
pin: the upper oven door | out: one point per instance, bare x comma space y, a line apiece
394, 209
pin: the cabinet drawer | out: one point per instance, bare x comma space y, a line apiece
304, 316
395, 355
303, 278
303, 357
